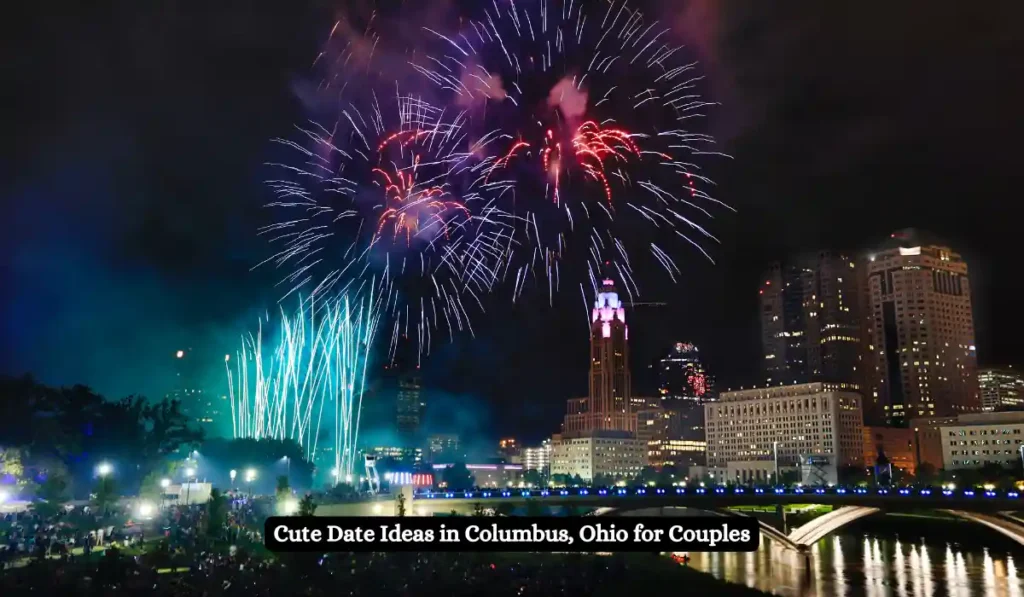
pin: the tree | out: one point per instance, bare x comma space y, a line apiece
105, 494
457, 477
533, 478
454, 512
577, 480
560, 480
283, 490
53, 491
478, 509
307, 507
216, 514
400, 504
926, 473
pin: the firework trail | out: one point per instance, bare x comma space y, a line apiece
591, 107
319, 365
390, 191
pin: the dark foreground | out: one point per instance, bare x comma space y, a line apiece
379, 575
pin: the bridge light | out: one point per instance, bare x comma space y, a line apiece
969, 493
1013, 494
951, 486
989, 487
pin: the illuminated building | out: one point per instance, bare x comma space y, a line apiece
679, 453
898, 445
1001, 389
685, 386
444, 447
608, 453
608, 405
681, 376
651, 423
407, 456
202, 409
984, 438
921, 333
508, 448
538, 458
749, 431
928, 439
812, 321
409, 405
489, 475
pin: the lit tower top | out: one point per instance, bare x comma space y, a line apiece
608, 308
609, 360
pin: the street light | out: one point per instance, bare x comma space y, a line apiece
190, 474
232, 474
104, 469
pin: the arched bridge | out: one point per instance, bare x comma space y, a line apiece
986, 507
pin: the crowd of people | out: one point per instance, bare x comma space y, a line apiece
179, 554
239, 572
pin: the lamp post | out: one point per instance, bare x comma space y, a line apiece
164, 484
232, 474
190, 473
775, 450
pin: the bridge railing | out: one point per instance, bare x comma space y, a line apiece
895, 492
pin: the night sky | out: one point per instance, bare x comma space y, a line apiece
131, 185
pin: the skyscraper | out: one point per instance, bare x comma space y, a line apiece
811, 321
1001, 389
921, 330
610, 405
609, 358
409, 404
684, 386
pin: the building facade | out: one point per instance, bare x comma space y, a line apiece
811, 321
685, 386
1001, 389
985, 438
444, 447
404, 375
678, 453
921, 331
898, 444
538, 458
785, 426
928, 439
610, 381
603, 453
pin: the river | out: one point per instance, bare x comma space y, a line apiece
875, 561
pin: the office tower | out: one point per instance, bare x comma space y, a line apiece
508, 448
812, 322
752, 433
609, 405
1001, 389
602, 453
538, 458
978, 439
609, 359
921, 332
684, 386
409, 404
202, 409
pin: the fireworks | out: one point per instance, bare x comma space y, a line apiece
395, 191
590, 109
319, 366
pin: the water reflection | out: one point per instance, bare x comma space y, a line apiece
848, 565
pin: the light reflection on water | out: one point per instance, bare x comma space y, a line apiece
847, 565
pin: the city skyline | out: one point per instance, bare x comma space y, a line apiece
159, 254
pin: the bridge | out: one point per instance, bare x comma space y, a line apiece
986, 507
